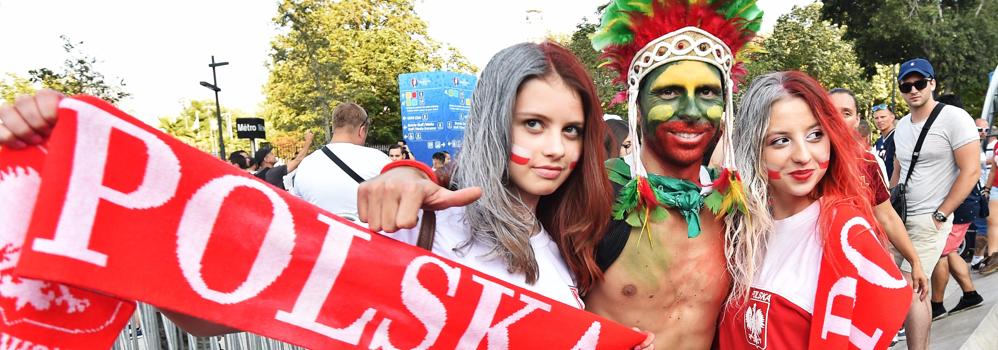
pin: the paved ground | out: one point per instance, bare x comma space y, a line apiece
951, 332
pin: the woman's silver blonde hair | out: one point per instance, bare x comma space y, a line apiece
746, 234
499, 220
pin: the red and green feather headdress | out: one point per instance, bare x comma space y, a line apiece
637, 36
630, 26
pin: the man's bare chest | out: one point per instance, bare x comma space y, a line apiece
668, 265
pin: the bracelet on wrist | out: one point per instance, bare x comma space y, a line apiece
414, 164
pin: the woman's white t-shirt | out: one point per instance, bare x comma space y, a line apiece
554, 279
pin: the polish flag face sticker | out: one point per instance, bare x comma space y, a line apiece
520, 155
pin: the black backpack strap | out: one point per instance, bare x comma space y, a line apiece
614, 239
346, 169
921, 139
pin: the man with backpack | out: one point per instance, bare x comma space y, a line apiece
936, 165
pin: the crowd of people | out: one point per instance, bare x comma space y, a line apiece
701, 224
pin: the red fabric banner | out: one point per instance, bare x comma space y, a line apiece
37, 314
861, 293
127, 210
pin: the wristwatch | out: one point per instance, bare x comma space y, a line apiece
939, 216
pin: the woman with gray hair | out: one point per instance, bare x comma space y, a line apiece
533, 145
809, 264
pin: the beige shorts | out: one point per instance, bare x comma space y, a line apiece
928, 241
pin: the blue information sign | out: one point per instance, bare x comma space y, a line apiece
435, 109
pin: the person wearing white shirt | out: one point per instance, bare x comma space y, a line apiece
322, 182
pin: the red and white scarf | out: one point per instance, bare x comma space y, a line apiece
862, 298
111, 210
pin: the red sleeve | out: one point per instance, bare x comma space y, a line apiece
873, 178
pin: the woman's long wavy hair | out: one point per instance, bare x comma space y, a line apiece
577, 211
747, 234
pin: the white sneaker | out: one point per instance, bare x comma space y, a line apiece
976, 259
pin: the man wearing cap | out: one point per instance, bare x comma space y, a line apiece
945, 172
274, 174
265, 160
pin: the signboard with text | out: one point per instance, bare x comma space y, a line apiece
434, 109
250, 128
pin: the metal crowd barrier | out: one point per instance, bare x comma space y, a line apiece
150, 330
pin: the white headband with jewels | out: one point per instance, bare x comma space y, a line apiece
686, 44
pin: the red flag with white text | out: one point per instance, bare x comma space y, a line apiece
126, 210
37, 314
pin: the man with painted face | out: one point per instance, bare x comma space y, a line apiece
662, 262
660, 266
681, 106
660, 275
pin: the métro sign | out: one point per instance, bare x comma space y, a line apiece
250, 128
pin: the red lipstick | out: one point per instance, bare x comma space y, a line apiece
802, 175
548, 172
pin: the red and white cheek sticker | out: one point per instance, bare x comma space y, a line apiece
520, 155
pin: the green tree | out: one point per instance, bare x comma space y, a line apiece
960, 38
197, 125
79, 76
802, 41
580, 45
884, 89
14, 87
348, 51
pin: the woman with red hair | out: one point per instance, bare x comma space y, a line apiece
808, 261
533, 145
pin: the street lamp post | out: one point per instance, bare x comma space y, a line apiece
218, 107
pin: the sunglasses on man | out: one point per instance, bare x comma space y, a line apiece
881, 107
918, 85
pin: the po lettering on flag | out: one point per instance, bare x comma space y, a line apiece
133, 213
